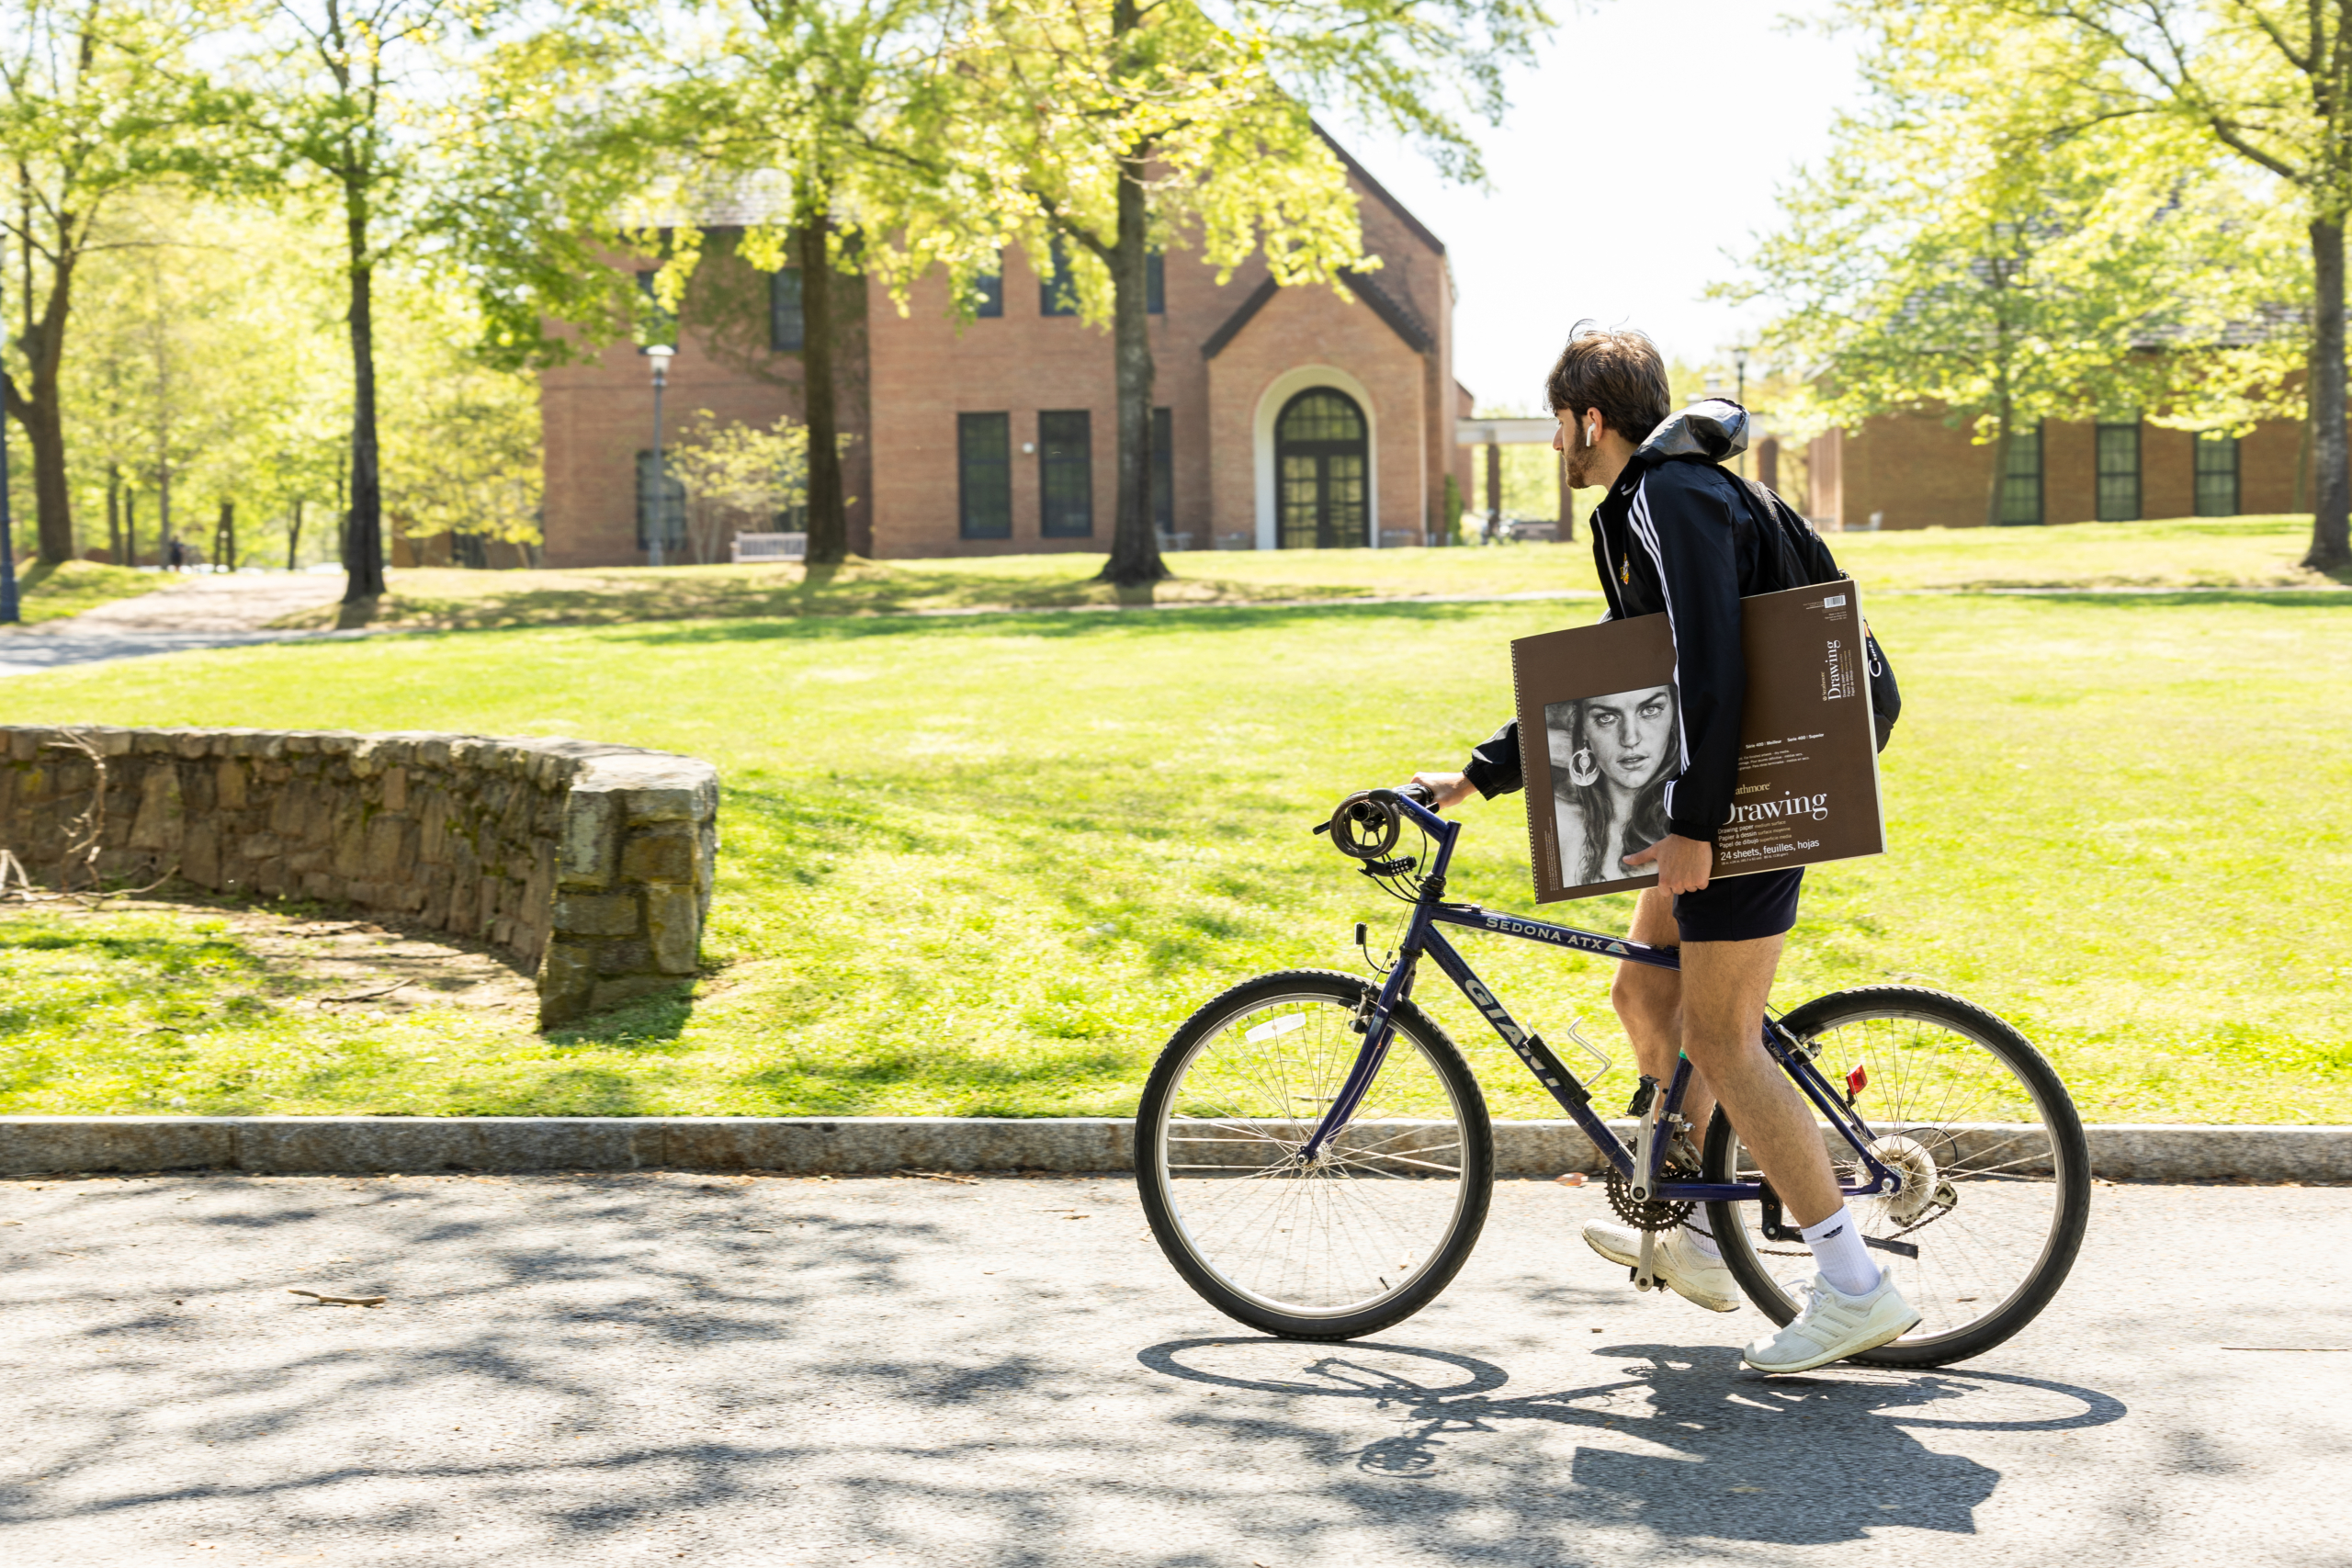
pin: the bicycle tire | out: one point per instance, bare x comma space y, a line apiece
1444, 1240
2061, 1204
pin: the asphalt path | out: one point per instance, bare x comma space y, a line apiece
659, 1369
212, 610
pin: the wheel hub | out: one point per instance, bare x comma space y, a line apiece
1913, 1168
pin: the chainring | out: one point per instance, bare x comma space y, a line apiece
1657, 1214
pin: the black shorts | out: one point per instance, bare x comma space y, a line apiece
1740, 908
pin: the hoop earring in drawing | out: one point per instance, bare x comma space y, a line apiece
1582, 768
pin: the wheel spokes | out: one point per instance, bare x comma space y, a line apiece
1319, 1237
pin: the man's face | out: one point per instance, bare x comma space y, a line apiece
1569, 439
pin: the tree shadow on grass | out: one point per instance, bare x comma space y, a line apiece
2323, 599
1063, 624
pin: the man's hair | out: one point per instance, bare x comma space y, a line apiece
1619, 373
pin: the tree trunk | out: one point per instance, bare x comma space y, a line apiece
129, 528
294, 536
2331, 506
363, 538
2000, 464
228, 562
1134, 540
828, 507
114, 514
43, 414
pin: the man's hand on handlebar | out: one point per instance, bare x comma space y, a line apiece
1446, 789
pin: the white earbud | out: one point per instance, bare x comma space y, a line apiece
1592, 433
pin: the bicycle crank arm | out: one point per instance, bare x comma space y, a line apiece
1645, 1271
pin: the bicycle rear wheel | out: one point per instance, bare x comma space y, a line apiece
1996, 1172
1368, 1233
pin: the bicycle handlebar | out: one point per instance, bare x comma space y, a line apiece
1366, 825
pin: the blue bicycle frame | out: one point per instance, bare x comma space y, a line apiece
1421, 936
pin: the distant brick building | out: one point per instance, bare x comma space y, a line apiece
1914, 471
1284, 418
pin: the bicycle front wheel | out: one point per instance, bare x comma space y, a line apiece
1360, 1237
1996, 1173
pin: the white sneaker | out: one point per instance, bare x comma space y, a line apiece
1834, 1326
1695, 1275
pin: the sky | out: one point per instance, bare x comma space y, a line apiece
1672, 121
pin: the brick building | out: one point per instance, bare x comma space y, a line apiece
1914, 471
1284, 418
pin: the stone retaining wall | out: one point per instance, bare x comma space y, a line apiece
592, 863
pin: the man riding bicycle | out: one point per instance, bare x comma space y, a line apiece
1674, 535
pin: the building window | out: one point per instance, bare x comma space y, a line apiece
2119, 472
1322, 468
1057, 287
987, 291
1163, 471
787, 327
1066, 488
984, 475
673, 508
2217, 474
658, 323
2022, 477
1155, 284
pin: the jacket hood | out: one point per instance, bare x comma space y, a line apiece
1711, 429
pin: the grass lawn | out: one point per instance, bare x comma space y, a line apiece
53, 592
2206, 552
984, 865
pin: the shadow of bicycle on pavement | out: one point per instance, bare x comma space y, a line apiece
1684, 1443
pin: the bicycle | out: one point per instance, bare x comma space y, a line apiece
1316, 1159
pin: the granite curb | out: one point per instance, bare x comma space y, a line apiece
31, 1146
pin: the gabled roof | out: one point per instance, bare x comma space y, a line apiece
1399, 317
1398, 313
1356, 171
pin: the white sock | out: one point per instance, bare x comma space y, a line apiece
1702, 1237
1837, 1244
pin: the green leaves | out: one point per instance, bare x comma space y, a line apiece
1999, 235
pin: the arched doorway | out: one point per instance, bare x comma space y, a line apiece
1322, 471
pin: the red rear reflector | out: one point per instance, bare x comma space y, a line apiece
1854, 1082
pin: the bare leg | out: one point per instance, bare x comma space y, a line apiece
1724, 987
1649, 1005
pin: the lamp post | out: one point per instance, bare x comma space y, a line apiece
1739, 362
8, 611
657, 512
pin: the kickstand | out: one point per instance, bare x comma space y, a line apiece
1645, 1273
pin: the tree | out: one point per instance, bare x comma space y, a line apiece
739, 474
90, 110
461, 433
335, 93
812, 93
208, 370
2270, 81
1101, 130
498, 168
1976, 246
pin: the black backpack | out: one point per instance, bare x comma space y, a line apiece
1791, 555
